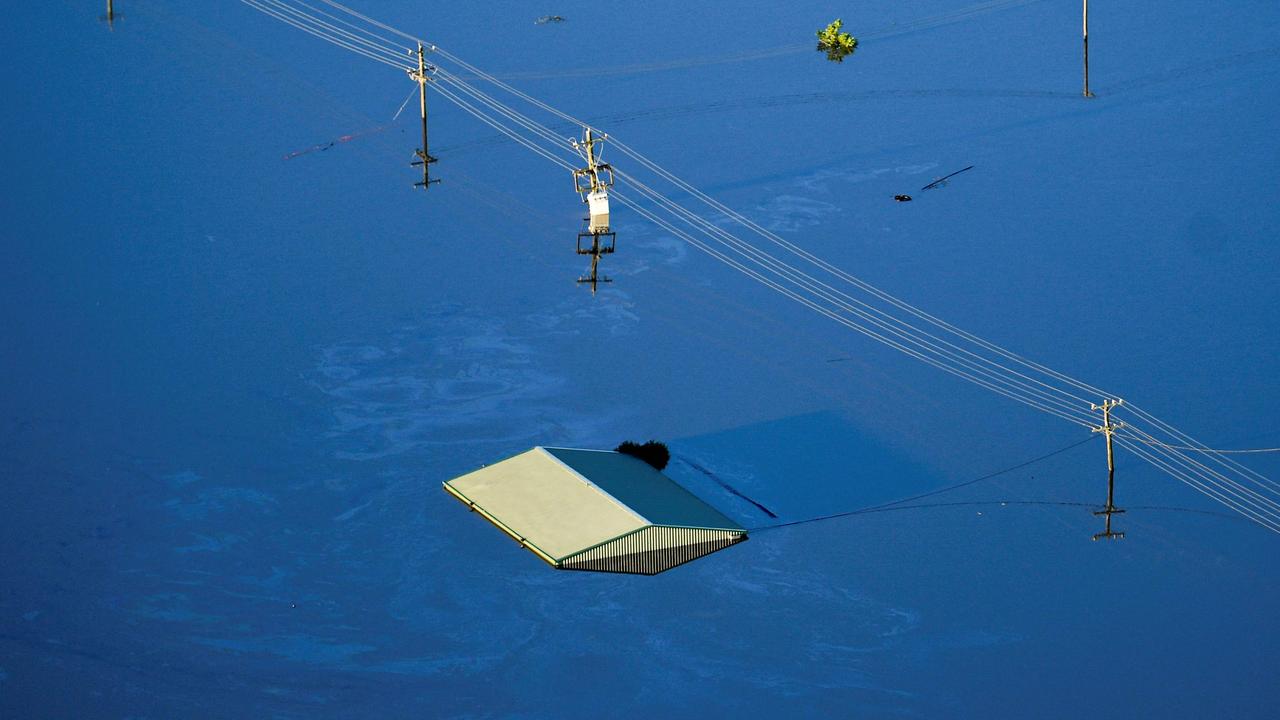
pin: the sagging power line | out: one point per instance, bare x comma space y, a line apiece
798, 274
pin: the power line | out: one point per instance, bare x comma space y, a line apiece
1203, 483
984, 503
1209, 451
896, 29
834, 316
1226, 462
964, 355
924, 341
931, 493
376, 56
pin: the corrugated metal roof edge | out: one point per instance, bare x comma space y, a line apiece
598, 489
604, 542
737, 531
523, 542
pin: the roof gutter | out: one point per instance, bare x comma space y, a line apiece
524, 543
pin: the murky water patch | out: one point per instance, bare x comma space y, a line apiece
222, 499
299, 648
171, 607
210, 543
645, 247
800, 203
458, 377
837, 627
792, 213
181, 479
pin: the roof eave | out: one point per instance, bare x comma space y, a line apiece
521, 540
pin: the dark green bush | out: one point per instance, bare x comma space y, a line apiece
652, 452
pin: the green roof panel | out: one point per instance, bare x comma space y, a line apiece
640, 487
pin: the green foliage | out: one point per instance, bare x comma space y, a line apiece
836, 44
652, 452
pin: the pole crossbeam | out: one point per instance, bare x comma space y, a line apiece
593, 183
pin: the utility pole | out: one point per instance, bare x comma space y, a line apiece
1086, 50
424, 158
593, 183
1109, 428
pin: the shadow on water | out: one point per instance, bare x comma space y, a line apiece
799, 465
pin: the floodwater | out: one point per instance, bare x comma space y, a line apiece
235, 382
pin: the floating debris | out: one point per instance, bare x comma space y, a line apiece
321, 147
942, 181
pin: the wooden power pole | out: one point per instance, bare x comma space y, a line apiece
593, 183
424, 158
1108, 428
1086, 50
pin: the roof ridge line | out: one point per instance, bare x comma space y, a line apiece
558, 447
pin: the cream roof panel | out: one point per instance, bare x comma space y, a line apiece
547, 503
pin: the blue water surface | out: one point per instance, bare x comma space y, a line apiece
234, 382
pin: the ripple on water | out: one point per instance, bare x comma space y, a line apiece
460, 376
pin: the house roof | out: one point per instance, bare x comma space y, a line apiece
561, 501
648, 492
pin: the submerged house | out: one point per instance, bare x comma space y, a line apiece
595, 510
